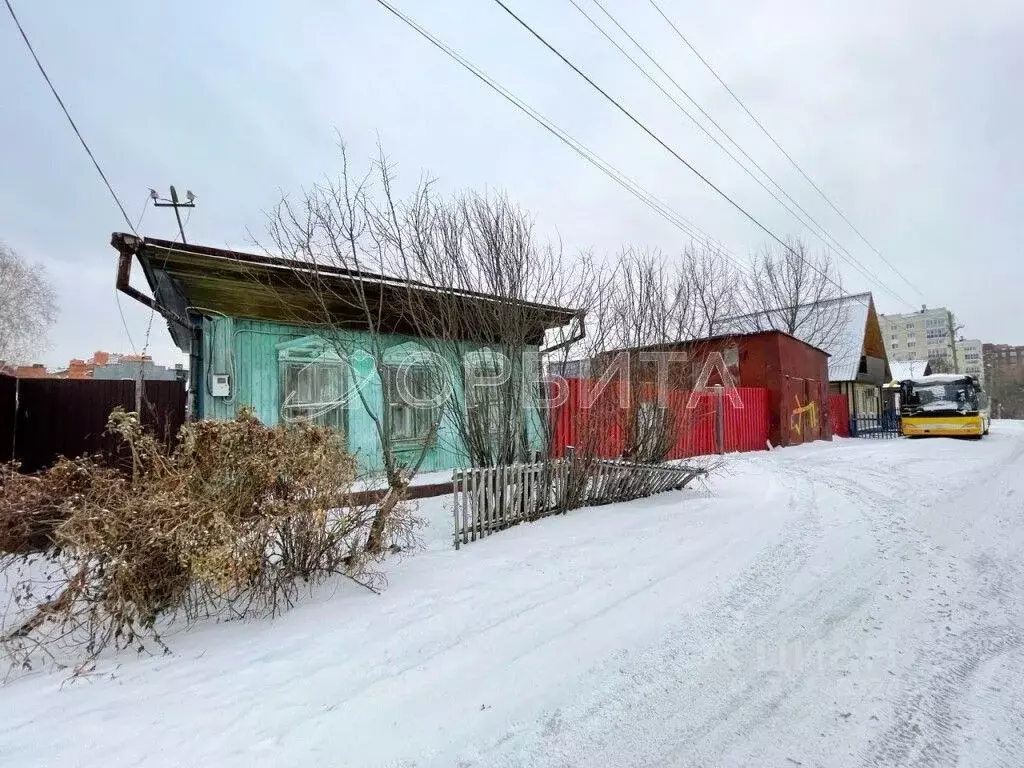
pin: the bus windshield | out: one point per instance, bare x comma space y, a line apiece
938, 395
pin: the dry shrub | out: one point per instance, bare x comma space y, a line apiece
235, 521
31, 507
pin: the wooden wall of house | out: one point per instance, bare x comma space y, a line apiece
249, 351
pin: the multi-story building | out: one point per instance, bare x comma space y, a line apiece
1004, 373
970, 359
928, 334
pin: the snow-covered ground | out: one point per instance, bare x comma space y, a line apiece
846, 604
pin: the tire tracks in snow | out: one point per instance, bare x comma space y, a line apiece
668, 669
931, 717
705, 695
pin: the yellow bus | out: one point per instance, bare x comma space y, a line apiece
943, 404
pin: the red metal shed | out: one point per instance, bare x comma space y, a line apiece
795, 374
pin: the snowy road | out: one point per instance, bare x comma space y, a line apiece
859, 603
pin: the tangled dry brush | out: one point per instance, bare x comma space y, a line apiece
233, 522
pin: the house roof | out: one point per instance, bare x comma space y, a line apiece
844, 320
907, 369
199, 279
721, 336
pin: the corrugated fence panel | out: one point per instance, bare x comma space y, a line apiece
68, 417
163, 409
8, 405
695, 423
601, 429
747, 427
590, 420
564, 426
839, 412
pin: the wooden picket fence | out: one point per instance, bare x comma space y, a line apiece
490, 499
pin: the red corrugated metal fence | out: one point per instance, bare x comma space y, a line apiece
597, 425
839, 412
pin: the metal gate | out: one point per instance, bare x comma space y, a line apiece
885, 427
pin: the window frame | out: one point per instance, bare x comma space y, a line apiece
312, 353
390, 392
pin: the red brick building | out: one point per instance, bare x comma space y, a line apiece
1004, 379
102, 365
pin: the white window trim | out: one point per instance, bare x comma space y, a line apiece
313, 351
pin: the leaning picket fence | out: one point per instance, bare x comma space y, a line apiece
490, 499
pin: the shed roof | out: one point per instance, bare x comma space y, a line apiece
217, 281
844, 343
718, 337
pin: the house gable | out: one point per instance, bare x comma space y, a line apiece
874, 345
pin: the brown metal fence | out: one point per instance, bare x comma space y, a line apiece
8, 404
68, 417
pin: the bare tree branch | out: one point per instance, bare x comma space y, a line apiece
28, 307
793, 291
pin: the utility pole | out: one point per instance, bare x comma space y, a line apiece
953, 329
176, 205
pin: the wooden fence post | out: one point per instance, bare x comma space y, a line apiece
455, 508
570, 477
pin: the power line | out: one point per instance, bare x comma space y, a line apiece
67, 114
117, 294
617, 176
662, 143
630, 185
830, 241
142, 213
152, 309
88, 151
124, 321
778, 146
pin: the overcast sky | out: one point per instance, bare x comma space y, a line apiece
909, 115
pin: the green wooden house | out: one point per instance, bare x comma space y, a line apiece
292, 342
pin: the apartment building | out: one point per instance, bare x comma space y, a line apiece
1004, 368
927, 334
970, 359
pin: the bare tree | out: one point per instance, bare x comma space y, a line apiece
789, 289
332, 234
713, 284
651, 330
28, 307
502, 304
464, 282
